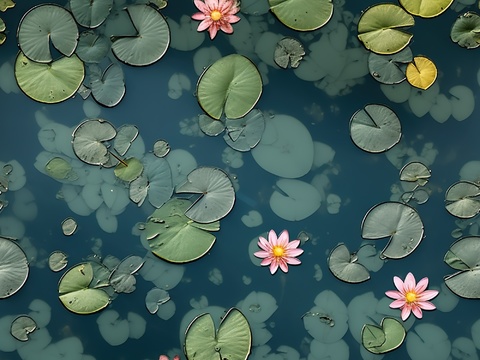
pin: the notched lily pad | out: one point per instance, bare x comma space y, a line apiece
421, 72
13, 267
415, 172
245, 133
22, 326
345, 266
288, 51
89, 141
462, 199
389, 69
384, 338
57, 261
466, 30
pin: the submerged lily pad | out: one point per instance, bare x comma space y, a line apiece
466, 30
151, 41
89, 141
13, 267
217, 194
389, 69
174, 237
45, 23
90, 14
49, 83
232, 341
345, 266
76, 293
380, 340
302, 15
400, 222
426, 8
288, 51
464, 255
462, 199
375, 128
232, 85
245, 133
421, 72
381, 28
22, 326
60, 169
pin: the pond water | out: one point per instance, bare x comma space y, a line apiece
305, 175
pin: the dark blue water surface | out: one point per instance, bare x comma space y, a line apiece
361, 179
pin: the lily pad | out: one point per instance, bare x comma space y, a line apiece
76, 294
466, 30
109, 89
174, 237
232, 341
126, 134
155, 298
161, 148
45, 23
375, 128
416, 172
462, 199
13, 267
421, 72
128, 169
151, 41
389, 69
49, 83
288, 51
92, 47
217, 194
232, 85
60, 169
3, 27
210, 126
381, 28
121, 278
345, 266
245, 133
89, 141
464, 255
426, 8
380, 340
57, 261
69, 226
398, 221
22, 326
90, 14
302, 15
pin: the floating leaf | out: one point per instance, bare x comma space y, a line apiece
69, 226
22, 326
232, 341
92, 13
128, 169
416, 172
121, 278
375, 128
88, 141
389, 69
76, 294
209, 126
174, 237
344, 266
462, 199
60, 169
3, 27
161, 148
126, 135
421, 72
245, 133
217, 194
466, 30
155, 298
138, 190
232, 85
381, 28
57, 261
400, 222
159, 180
302, 15
380, 340
6, 4
43, 23
288, 51
49, 83
13, 267
464, 255
426, 8
92, 47
109, 89
151, 41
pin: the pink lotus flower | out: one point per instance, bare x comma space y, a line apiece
165, 357
278, 252
411, 297
216, 14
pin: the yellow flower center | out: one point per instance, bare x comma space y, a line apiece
410, 297
278, 251
215, 15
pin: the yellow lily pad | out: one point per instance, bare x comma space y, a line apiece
6, 4
421, 72
426, 8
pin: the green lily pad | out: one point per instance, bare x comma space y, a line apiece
462, 199
245, 133
345, 266
128, 169
415, 172
232, 85
466, 30
426, 8
381, 28
126, 135
398, 221
380, 340
22, 326
49, 83
76, 294
60, 169
389, 69
232, 341
150, 43
45, 23
3, 27
109, 88
92, 13
174, 237
92, 47
302, 15
13, 267
89, 141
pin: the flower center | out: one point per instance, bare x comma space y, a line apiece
278, 251
215, 15
411, 297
